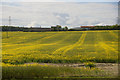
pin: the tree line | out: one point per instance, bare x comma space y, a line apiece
59, 28
12, 28
107, 27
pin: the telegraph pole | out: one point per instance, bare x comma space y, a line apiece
9, 20
8, 28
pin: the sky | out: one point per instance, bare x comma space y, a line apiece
59, 0
71, 13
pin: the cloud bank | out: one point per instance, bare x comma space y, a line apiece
66, 14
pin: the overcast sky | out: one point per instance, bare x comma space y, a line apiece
72, 13
59, 0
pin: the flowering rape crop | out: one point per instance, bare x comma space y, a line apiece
24, 52
60, 47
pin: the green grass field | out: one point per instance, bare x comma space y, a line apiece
57, 47
60, 47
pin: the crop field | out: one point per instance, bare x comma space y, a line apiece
60, 47
64, 47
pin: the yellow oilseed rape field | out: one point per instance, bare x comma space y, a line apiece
60, 47
24, 52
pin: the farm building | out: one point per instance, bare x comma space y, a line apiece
37, 29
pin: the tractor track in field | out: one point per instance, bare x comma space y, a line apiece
78, 43
112, 33
23, 45
66, 48
31, 46
106, 47
53, 43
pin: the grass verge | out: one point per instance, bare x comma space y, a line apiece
48, 71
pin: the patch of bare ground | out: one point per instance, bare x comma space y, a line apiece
111, 68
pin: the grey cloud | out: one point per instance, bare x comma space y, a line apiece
62, 17
71, 14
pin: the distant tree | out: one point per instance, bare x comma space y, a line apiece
56, 28
66, 28
59, 28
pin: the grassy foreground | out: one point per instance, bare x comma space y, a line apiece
48, 71
60, 47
